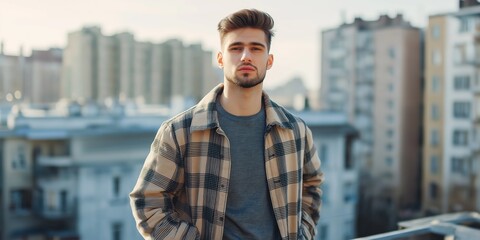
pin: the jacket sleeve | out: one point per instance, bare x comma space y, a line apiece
161, 178
311, 194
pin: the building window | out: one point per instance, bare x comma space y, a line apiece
434, 164
19, 161
348, 162
390, 133
20, 200
337, 63
116, 186
461, 82
390, 119
323, 232
390, 104
391, 52
436, 32
460, 137
389, 146
433, 190
391, 87
336, 43
63, 201
461, 110
117, 231
389, 161
435, 115
464, 25
51, 200
434, 138
436, 57
348, 193
324, 154
459, 165
435, 84
391, 70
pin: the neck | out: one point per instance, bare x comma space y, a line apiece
241, 101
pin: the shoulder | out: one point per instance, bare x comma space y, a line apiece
291, 118
182, 120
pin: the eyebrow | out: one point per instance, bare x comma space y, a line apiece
250, 43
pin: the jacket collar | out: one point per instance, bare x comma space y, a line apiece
205, 114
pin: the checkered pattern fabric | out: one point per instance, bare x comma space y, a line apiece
182, 190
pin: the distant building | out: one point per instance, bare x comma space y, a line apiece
33, 79
372, 72
451, 156
67, 171
46, 67
98, 67
13, 76
292, 95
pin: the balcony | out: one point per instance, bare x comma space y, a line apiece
57, 161
55, 213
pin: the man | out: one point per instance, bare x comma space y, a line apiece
236, 165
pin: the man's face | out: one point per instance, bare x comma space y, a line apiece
244, 57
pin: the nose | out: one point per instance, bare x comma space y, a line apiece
246, 56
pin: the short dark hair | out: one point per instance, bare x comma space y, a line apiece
245, 18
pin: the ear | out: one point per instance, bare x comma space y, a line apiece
270, 61
220, 59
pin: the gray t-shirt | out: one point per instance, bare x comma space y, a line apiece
249, 213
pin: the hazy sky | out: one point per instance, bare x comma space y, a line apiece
298, 24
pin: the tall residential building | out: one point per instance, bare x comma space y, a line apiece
13, 76
44, 83
34, 79
451, 156
98, 67
66, 173
371, 70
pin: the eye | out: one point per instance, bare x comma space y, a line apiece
256, 49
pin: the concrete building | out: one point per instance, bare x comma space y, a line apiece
333, 137
451, 156
34, 79
14, 71
66, 172
98, 67
293, 94
44, 82
371, 71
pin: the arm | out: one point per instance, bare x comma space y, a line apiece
159, 182
311, 194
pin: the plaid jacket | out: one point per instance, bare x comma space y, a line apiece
182, 189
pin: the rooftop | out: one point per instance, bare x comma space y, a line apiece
459, 226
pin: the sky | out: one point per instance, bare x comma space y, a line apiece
33, 24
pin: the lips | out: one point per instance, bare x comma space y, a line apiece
246, 68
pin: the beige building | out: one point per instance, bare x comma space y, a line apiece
371, 70
33, 79
451, 156
13, 76
99, 67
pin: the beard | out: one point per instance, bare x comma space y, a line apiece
246, 80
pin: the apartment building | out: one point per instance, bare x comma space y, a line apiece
371, 71
98, 67
34, 78
451, 156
